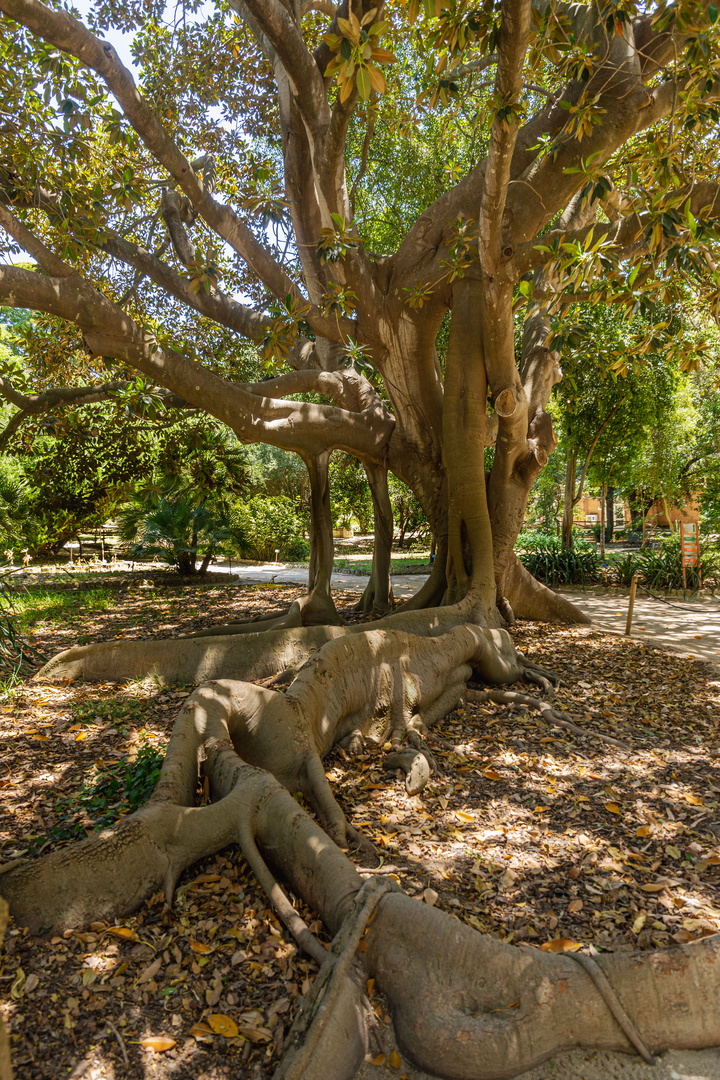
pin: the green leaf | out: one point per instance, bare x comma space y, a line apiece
362, 80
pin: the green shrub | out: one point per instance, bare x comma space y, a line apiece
623, 568
109, 793
17, 656
660, 567
175, 528
266, 523
549, 562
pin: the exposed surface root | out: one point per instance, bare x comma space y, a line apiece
380, 684
289, 619
322, 1019
530, 599
463, 1004
555, 717
248, 656
5, 1066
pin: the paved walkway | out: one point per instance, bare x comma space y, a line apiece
404, 585
691, 626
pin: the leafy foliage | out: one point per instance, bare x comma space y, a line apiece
110, 792
660, 567
547, 560
175, 528
265, 523
17, 656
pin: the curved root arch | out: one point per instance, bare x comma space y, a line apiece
464, 1005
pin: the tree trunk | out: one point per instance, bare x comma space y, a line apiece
603, 490
377, 598
525, 439
207, 560
610, 512
470, 536
569, 500
666, 507
318, 607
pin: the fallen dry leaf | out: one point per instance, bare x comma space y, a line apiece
201, 1032
223, 1025
157, 1043
123, 932
201, 947
561, 945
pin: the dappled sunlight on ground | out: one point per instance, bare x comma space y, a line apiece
531, 834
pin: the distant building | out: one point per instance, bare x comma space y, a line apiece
588, 513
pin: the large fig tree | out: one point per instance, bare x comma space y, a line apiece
351, 187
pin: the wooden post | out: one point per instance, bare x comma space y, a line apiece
631, 604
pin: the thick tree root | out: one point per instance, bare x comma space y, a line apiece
6, 1072
464, 1005
323, 1019
191, 660
289, 619
530, 599
253, 655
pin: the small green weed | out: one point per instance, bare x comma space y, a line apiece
118, 712
108, 793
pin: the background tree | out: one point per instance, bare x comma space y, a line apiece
619, 385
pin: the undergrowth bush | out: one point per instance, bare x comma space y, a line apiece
547, 560
17, 656
266, 523
108, 794
660, 567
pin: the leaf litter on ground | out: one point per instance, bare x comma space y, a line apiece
536, 837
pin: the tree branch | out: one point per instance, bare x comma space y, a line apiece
581, 483
299, 426
71, 36
307, 82
703, 200
514, 36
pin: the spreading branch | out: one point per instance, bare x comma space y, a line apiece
514, 36
618, 237
71, 36
109, 331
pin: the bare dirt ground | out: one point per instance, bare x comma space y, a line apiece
541, 838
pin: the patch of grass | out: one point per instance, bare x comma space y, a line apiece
108, 793
34, 608
116, 711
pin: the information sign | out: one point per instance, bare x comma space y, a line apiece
690, 543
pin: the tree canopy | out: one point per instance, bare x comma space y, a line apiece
330, 184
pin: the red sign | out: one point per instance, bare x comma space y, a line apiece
690, 540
